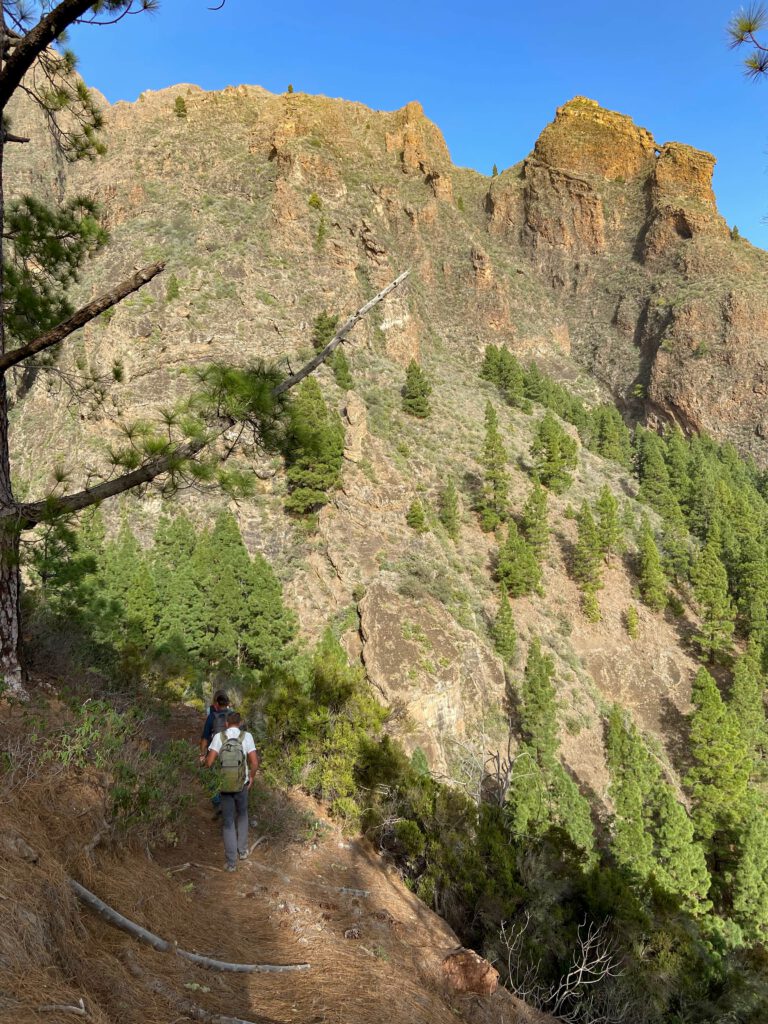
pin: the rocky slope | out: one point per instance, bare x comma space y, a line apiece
601, 244
601, 254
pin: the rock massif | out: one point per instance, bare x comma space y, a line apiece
601, 254
601, 243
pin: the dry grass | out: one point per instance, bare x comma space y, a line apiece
293, 901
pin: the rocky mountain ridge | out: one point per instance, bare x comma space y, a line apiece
601, 255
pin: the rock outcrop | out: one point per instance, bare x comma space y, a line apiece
602, 252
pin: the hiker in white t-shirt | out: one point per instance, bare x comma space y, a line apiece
238, 763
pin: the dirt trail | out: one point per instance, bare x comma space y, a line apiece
307, 893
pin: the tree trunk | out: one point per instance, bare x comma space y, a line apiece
10, 591
10, 615
11, 674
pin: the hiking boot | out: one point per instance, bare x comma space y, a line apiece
231, 867
243, 856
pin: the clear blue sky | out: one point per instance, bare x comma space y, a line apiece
490, 76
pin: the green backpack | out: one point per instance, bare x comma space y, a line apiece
232, 763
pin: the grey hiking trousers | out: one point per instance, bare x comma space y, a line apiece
234, 815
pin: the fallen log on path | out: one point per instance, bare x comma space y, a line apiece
118, 921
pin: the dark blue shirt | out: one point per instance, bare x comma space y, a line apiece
207, 734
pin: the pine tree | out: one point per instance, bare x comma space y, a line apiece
178, 626
632, 779
572, 811
270, 628
609, 531
631, 622
675, 546
342, 374
323, 329
416, 391
180, 107
518, 568
653, 583
241, 620
718, 780
533, 520
587, 561
510, 377
751, 586
677, 458
682, 866
494, 171
609, 436
750, 882
710, 586
128, 590
448, 509
554, 454
746, 702
495, 493
313, 449
538, 716
415, 517
503, 630
652, 470
490, 366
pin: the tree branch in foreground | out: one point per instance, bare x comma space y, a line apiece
38, 39
35, 512
83, 316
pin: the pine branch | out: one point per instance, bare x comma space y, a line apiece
35, 42
81, 317
37, 511
32, 513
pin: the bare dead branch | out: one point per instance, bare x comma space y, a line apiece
579, 996
338, 337
116, 919
83, 316
185, 1006
78, 1010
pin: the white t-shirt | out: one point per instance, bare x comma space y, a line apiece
248, 745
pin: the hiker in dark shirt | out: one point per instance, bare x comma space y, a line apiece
215, 723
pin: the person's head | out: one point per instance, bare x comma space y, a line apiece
220, 700
233, 718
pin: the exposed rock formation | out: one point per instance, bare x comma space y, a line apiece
601, 251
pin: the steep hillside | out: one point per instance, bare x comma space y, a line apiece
577, 788
270, 209
601, 244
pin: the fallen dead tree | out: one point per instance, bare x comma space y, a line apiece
116, 919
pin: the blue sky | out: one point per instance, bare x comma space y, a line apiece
490, 76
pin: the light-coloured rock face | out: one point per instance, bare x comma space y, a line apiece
587, 140
441, 678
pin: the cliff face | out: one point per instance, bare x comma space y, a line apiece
600, 243
601, 252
